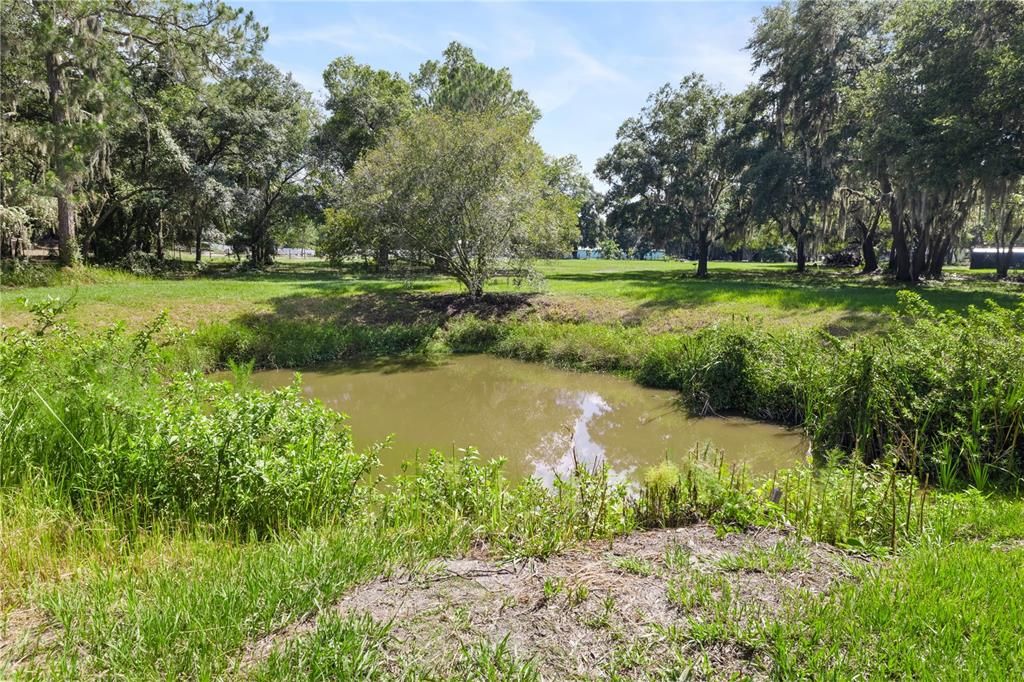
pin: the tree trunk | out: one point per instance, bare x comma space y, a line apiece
918, 249
702, 254
1003, 264
867, 246
1006, 239
901, 255
66, 214
801, 252
160, 235
382, 258
66, 223
899, 263
937, 256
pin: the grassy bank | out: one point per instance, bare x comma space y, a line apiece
193, 519
155, 524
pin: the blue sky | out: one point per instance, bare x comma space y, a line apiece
588, 66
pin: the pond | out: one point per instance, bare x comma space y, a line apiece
530, 414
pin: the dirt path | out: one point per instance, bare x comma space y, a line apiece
627, 609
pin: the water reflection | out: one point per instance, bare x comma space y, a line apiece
532, 415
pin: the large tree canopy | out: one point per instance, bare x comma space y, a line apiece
668, 172
943, 122
459, 82
75, 72
467, 194
809, 54
364, 103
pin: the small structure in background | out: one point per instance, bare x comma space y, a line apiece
587, 253
985, 257
597, 252
292, 252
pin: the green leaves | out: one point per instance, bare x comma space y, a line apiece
364, 103
467, 194
116, 431
668, 172
459, 83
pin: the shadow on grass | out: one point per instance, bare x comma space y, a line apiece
352, 296
786, 291
378, 303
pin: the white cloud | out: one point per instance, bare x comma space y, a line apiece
545, 56
359, 36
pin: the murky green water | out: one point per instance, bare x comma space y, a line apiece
530, 414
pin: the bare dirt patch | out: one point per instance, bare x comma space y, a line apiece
25, 635
650, 601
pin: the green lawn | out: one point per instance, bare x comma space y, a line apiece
663, 295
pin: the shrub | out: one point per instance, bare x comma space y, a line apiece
470, 334
28, 273
108, 422
465, 497
583, 346
292, 343
204, 451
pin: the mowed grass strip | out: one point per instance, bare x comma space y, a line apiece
940, 612
665, 292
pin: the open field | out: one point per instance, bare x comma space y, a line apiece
155, 525
658, 295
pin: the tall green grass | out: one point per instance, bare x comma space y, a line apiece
294, 343
111, 424
942, 612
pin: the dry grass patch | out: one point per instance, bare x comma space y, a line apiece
597, 611
26, 635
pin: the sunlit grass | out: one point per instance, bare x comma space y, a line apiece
768, 292
941, 612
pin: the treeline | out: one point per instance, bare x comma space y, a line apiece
873, 129
894, 127
132, 125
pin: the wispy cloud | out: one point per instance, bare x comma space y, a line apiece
715, 51
578, 70
587, 67
359, 36
544, 53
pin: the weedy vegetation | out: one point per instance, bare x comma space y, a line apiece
199, 516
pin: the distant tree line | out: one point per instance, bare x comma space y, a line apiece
894, 127
132, 125
880, 129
